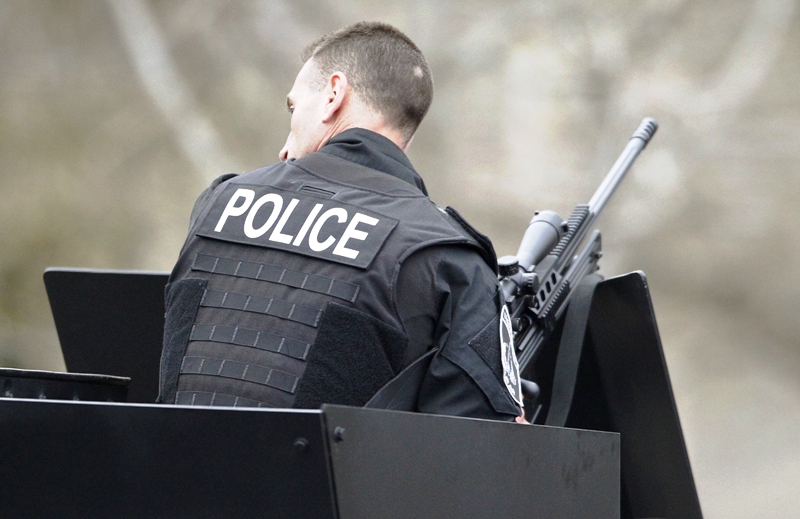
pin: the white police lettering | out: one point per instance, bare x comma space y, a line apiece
306, 225
352, 232
232, 210
317, 232
313, 238
277, 205
277, 235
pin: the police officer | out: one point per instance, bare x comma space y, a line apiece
321, 278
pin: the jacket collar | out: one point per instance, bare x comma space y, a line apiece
374, 151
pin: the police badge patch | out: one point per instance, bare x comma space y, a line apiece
509, 357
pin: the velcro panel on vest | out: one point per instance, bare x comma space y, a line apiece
298, 222
275, 274
487, 345
353, 356
182, 301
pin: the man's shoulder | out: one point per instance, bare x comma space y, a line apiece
250, 176
483, 243
444, 266
208, 194
255, 176
205, 196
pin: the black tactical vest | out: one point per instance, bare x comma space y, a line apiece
284, 292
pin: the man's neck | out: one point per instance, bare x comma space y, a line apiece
356, 114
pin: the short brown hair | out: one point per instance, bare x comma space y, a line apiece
383, 66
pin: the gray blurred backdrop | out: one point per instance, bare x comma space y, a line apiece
115, 115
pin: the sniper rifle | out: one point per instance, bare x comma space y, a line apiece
538, 282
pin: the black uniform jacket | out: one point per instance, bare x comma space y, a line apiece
443, 295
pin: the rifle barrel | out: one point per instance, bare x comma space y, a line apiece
638, 141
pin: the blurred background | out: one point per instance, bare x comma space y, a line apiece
115, 115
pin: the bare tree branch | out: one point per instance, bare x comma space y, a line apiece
195, 132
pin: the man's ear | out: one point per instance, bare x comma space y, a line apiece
336, 93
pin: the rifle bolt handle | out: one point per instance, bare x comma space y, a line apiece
516, 324
519, 324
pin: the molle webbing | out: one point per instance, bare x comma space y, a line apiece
239, 371
276, 274
218, 399
262, 305
250, 338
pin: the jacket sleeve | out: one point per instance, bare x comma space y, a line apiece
465, 377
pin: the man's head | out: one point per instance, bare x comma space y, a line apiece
367, 75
